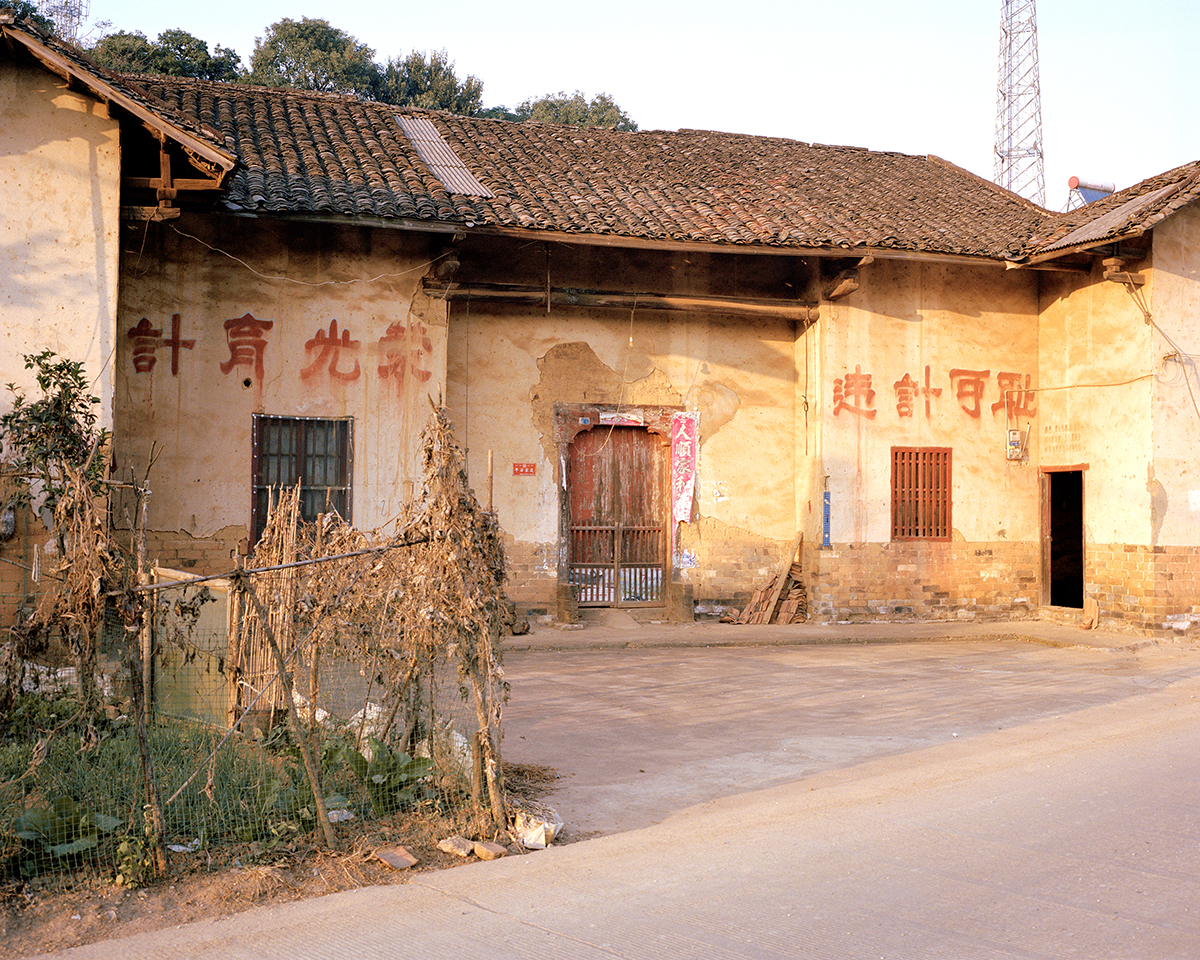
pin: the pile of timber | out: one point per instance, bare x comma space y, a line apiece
790, 603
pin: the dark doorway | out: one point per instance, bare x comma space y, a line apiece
616, 487
1062, 537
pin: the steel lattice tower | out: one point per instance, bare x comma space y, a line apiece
68, 15
1019, 161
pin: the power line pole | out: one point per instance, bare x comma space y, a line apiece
1019, 160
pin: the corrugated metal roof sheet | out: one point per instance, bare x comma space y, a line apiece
1109, 223
441, 159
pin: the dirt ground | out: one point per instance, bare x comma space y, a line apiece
34, 921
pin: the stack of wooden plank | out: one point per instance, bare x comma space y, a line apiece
790, 607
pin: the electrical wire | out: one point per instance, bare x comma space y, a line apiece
307, 283
1140, 302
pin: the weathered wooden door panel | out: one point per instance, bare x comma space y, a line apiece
616, 487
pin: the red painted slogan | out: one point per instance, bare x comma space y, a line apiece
330, 353
855, 393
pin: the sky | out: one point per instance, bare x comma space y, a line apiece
1118, 80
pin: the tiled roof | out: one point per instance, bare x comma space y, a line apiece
324, 153
1130, 211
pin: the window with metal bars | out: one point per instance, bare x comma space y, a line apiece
316, 453
921, 493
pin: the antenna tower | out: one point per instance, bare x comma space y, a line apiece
1019, 161
68, 15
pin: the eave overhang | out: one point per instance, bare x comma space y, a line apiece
209, 159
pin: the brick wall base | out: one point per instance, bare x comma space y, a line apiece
1148, 591
1153, 591
922, 580
18, 589
202, 556
532, 577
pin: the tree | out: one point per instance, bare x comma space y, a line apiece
430, 82
176, 53
575, 110
124, 52
312, 55
48, 438
29, 11
179, 54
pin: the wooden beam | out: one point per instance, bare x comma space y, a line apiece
150, 213
842, 284
569, 297
156, 183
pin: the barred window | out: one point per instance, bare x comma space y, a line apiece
316, 453
921, 493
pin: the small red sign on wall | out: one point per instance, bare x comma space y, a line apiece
524, 469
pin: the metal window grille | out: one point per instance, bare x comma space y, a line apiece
921, 498
314, 452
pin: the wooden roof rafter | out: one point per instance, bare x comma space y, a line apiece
208, 158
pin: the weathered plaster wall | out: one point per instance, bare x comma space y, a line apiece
920, 356
1096, 376
59, 175
281, 289
1169, 604
1129, 416
1174, 352
508, 366
59, 178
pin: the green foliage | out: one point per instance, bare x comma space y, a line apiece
312, 55
58, 833
135, 863
574, 110
46, 438
429, 82
135, 855
124, 52
394, 781
272, 810
29, 11
176, 53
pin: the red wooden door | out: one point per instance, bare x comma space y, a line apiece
616, 486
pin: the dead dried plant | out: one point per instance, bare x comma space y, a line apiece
403, 604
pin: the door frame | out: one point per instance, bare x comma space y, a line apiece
1045, 521
572, 419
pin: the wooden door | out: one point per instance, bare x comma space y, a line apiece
616, 488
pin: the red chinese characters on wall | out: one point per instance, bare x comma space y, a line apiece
853, 393
404, 349
247, 341
1019, 397
329, 350
908, 390
147, 339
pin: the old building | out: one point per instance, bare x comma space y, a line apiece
666, 353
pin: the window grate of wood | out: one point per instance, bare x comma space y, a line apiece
315, 452
921, 498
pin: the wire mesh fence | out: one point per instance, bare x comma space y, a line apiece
341, 679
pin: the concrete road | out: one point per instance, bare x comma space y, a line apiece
983, 799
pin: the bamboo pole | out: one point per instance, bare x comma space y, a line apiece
489, 506
285, 681
141, 692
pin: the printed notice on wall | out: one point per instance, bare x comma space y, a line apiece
623, 418
685, 452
